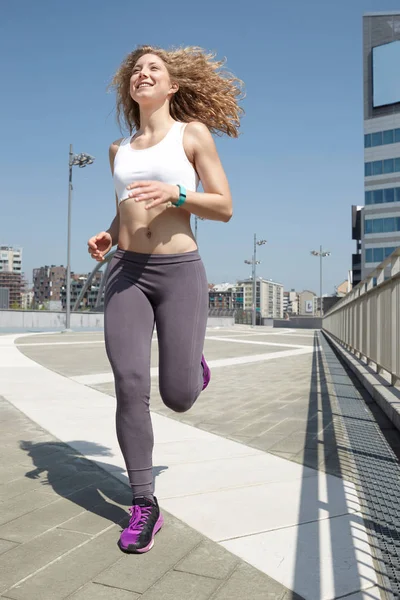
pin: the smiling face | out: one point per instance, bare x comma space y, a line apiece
150, 81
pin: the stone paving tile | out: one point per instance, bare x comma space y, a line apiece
61, 337
25, 559
24, 504
33, 524
209, 560
69, 360
96, 591
96, 520
246, 582
6, 545
67, 530
188, 586
66, 575
59, 512
292, 444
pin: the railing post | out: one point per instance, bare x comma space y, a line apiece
395, 299
368, 286
380, 279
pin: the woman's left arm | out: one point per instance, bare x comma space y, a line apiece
215, 203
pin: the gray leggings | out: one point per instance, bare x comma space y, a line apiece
171, 291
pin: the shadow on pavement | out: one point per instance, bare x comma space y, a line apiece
73, 477
326, 556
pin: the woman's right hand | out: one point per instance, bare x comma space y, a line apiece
99, 245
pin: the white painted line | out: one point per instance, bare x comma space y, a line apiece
208, 337
237, 341
268, 334
239, 334
83, 343
100, 378
60, 343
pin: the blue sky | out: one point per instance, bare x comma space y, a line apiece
294, 172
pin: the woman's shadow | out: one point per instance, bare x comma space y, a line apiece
81, 481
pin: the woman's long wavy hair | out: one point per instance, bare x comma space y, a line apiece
207, 92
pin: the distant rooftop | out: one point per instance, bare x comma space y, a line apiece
249, 280
222, 287
383, 13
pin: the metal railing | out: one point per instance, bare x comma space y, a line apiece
367, 320
106, 264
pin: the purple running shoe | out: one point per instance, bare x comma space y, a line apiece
145, 522
206, 373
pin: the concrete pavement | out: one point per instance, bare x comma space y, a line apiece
250, 477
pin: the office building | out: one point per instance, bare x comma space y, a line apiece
11, 276
10, 259
4, 298
221, 296
14, 283
47, 284
90, 300
27, 299
269, 297
380, 224
291, 303
357, 216
308, 303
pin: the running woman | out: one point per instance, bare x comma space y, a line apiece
171, 101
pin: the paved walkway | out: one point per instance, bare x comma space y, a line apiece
253, 479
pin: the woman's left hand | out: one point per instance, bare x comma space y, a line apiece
156, 192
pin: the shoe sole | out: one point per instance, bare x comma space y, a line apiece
131, 549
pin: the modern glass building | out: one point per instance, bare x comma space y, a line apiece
380, 223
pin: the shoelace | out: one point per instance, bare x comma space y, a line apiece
140, 514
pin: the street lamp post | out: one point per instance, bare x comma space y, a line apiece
80, 160
322, 254
196, 220
254, 262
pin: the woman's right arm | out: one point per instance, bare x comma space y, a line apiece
113, 230
99, 245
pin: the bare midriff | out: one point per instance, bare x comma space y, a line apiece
159, 230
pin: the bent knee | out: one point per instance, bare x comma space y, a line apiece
178, 401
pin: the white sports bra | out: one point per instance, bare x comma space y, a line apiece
165, 161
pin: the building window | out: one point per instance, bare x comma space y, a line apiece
388, 195
387, 225
388, 165
377, 255
388, 136
380, 167
382, 196
381, 138
376, 139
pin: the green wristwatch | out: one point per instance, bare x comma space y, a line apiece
182, 196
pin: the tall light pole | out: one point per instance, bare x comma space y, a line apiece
254, 262
196, 219
80, 160
322, 254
